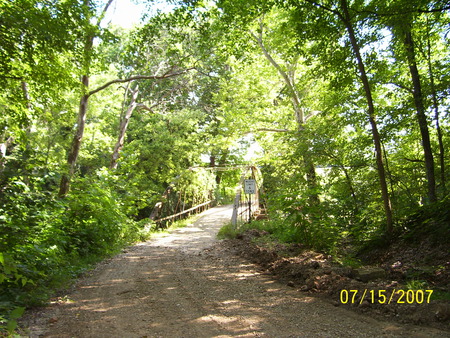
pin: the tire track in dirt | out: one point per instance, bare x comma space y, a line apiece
189, 285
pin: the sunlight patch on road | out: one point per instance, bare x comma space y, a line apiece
307, 300
189, 229
217, 319
245, 275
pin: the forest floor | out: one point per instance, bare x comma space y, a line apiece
189, 284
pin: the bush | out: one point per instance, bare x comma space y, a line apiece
46, 241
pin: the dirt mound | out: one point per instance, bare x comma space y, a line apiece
377, 291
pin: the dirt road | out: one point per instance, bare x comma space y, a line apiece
189, 285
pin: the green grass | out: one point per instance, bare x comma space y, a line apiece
441, 295
417, 284
349, 261
229, 231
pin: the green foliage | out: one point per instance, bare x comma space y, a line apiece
46, 241
283, 231
349, 261
440, 295
416, 284
229, 231
8, 322
197, 185
94, 222
431, 222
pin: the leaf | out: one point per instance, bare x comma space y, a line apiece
2, 259
20, 183
17, 313
11, 326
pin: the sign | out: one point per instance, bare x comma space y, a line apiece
250, 186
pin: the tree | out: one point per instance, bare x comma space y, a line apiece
90, 34
343, 15
124, 125
289, 78
39, 40
402, 27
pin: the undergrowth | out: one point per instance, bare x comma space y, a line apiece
429, 226
47, 241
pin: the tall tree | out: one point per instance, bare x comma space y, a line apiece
90, 33
39, 40
402, 27
164, 71
288, 74
428, 51
342, 12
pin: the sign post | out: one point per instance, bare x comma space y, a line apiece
250, 189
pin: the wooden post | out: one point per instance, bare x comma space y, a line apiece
249, 208
236, 208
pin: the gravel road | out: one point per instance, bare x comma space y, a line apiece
188, 284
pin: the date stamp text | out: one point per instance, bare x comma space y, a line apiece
385, 296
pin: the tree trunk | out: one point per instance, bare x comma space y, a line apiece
436, 118
421, 117
295, 97
352, 190
371, 114
123, 128
222, 163
64, 185
76, 142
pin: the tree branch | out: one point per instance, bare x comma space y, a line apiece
312, 114
13, 77
144, 107
137, 77
433, 10
413, 160
408, 89
328, 9
403, 11
273, 130
103, 13
288, 81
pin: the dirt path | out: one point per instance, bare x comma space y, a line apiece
188, 285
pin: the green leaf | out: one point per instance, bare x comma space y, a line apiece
17, 313
11, 326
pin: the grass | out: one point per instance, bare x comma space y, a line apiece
348, 261
229, 231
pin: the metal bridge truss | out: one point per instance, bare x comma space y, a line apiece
246, 206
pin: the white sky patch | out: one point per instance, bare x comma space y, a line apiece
254, 151
128, 13
124, 13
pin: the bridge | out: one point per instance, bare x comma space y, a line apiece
178, 200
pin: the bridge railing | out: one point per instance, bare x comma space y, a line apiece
190, 192
200, 207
